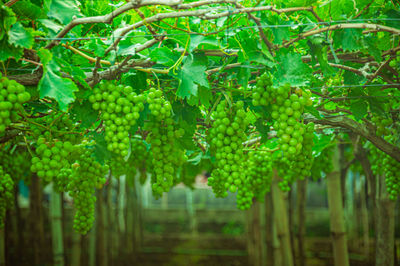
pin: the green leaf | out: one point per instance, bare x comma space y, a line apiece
205, 96
163, 56
330, 105
359, 109
312, 110
84, 112
348, 39
263, 129
54, 86
191, 75
63, 10
8, 19
100, 153
18, 36
52, 26
135, 79
321, 142
96, 45
280, 33
319, 52
26, 9
7, 50
196, 40
290, 69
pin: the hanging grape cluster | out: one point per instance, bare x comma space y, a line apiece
86, 175
384, 164
6, 194
167, 157
382, 124
257, 180
298, 167
12, 96
57, 126
14, 163
140, 159
120, 109
52, 157
226, 137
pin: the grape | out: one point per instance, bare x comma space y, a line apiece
87, 174
226, 146
15, 164
6, 194
120, 109
382, 163
167, 157
294, 137
13, 95
258, 178
382, 125
52, 157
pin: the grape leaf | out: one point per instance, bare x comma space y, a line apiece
54, 86
84, 112
191, 75
263, 129
359, 109
205, 96
62, 10
26, 9
291, 69
7, 50
100, 153
164, 56
348, 39
19, 36
196, 40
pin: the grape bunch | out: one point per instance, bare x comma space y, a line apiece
258, 178
382, 124
298, 167
86, 175
226, 137
120, 109
55, 125
15, 164
140, 159
263, 91
12, 96
52, 157
382, 163
167, 157
6, 194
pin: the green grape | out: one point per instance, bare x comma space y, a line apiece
120, 109
140, 159
51, 157
384, 164
6, 194
13, 95
87, 174
382, 125
226, 136
300, 166
15, 164
167, 157
258, 178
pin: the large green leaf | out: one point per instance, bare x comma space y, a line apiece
19, 36
7, 19
164, 56
290, 69
63, 10
196, 40
318, 49
7, 50
26, 9
348, 39
359, 109
191, 75
53, 85
84, 112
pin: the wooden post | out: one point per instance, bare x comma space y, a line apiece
101, 258
2, 248
36, 220
269, 231
384, 225
301, 212
56, 228
76, 249
364, 217
282, 223
337, 224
